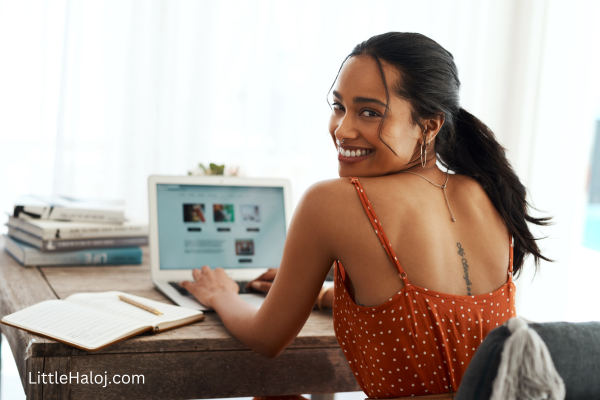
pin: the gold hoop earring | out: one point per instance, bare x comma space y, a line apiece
424, 150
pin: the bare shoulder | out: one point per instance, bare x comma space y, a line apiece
326, 203
322, 213
466, 183
468, 188
327, 193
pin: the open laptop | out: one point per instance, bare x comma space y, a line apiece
238, 224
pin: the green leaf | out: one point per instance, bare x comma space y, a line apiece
217, 169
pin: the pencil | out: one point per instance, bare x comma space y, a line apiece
140, 305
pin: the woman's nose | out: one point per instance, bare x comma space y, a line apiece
345, 129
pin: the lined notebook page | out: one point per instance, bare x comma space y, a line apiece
110, 303
73, 323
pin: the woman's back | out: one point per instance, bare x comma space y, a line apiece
418, 340
429, 246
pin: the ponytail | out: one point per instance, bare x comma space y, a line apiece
464, 144
471, 149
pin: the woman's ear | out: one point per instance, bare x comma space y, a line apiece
433, 126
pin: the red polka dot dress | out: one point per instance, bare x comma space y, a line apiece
419, 342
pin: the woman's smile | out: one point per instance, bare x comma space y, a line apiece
353, 154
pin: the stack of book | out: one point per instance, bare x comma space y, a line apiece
66, 231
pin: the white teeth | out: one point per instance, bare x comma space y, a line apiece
353, 153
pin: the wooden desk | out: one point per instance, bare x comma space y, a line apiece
201, 360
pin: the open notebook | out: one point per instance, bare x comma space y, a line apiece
91, 321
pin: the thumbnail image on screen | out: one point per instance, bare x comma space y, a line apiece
250, 213
244, 247
223, 213
194, 213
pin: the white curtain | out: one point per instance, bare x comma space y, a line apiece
95, 96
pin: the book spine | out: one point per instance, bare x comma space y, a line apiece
108, 231
79, 232
22, 224
79, 244
12, 248
84, 215
25, 237
125, 255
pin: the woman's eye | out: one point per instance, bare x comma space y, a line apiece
337, 106
369, 113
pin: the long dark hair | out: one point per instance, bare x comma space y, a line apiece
464, 144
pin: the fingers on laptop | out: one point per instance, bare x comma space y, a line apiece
198, 274
190, 286
263, 283
269, 275
207, 279
184, 284
261, 286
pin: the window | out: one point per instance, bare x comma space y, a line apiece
591, 236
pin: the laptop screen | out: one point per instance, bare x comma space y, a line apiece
220, 226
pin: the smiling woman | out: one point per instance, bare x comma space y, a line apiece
358, 108
412, 302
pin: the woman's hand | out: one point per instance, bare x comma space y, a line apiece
209, 283
263, 283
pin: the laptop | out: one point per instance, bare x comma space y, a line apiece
238, 224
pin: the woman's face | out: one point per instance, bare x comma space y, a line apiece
358, 105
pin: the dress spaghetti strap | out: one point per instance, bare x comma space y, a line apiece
511, 240
379, 229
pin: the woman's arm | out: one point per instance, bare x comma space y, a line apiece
306, 260
264, 282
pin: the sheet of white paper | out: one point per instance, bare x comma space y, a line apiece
74, 323
110, 303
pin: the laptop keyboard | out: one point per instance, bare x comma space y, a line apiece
243, 288
241, 284
181, 290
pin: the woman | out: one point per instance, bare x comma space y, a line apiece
424, 264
